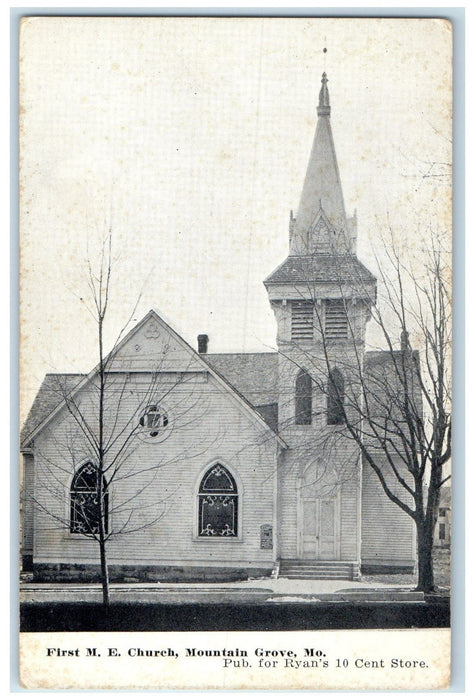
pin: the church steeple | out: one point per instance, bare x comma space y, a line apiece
321, 225
324, 108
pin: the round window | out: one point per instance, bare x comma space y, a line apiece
154, 420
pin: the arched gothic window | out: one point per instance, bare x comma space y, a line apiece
85, 511
303, 398
218, 504
336, 398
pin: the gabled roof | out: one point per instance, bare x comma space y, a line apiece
56, 387
50, 394
45, 397
307, 269
253, 377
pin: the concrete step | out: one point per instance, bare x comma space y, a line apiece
331, 562
316, 566
323, 572
316, 572
315, 562
315, 569
300, 577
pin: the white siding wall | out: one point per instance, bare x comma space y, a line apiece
27, 504
207, 425
350, 534
387, 531
288, 507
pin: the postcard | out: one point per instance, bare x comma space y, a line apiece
235, 354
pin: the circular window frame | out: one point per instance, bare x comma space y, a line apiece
150, 433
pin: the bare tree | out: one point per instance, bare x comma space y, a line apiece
394, 404
119, 410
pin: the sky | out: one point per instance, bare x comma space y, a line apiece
189, 138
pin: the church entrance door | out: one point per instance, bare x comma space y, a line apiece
319, 538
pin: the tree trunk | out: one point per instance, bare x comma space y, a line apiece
104, 575
425, 573
100, 475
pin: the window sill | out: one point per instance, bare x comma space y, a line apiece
72, 536
197, 538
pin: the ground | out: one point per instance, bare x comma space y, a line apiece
441, 573
265, 604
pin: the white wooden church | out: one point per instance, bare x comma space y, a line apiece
224, 465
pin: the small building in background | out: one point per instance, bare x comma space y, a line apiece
442, 534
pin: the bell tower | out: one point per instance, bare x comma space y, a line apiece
321, 297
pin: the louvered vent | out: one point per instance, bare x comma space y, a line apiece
302, 320
336, 320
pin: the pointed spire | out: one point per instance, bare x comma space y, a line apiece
321, 193
323, 109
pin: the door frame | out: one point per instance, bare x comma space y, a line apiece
300, 524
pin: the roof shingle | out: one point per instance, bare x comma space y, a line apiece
321, 268
50, 394
253, 374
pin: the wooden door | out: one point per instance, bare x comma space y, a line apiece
319, 528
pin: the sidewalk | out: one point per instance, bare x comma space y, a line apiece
268, 590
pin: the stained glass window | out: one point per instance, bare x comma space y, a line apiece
154, 419
85, 510
218, 504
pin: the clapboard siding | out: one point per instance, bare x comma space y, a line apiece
288, 507
27, 504
214, 426
387, 531
349, 533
